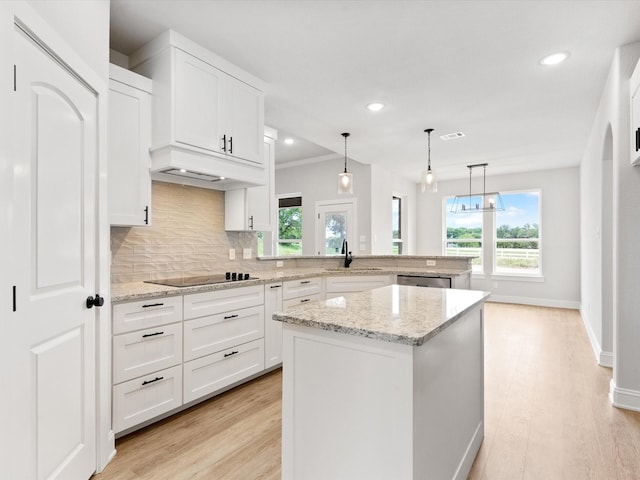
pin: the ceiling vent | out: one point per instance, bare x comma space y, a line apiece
451, 136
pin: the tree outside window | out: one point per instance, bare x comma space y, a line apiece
517, 246
396, 225
290, 226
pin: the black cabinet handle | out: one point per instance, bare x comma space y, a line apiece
305, 282
276, 286
251, 222
231, 353
224, 143
152, 334
98, 301
152, 305
230, 144
146, 215
637, 139
230, 316
147, 382
305, 300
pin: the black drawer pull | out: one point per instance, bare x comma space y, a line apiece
230, 316
152, 334
276, 286
304, 282
229, 354
637, 139
147, 382
305, 300
153, 305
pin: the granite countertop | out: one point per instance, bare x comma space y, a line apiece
395, 313
122, 292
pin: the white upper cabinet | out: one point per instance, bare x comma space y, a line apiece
254, 208
208, 115
129, 140
634, 92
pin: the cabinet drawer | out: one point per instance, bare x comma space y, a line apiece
145, 351
361, 283
146, 314
220, 301
206, 335
299, 301
211, 373
300, 288
146, 397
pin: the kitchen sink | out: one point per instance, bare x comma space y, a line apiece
344, 269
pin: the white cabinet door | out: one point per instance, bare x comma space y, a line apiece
244, 121
635, 119
198, 107
272, 328
51, 340
129, 141
253, 208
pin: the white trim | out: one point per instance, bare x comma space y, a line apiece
604, 359
352, 224
624, 398
307, 161
518, 278
470, 453
539, 302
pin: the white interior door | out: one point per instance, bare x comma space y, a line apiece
335, 222
53, 331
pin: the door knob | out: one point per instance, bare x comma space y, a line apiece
98, 301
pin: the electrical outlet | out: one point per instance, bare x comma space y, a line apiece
232, 254
246, 253
431, 263
279, 263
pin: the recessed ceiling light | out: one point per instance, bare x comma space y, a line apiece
223, 178
183, 170
289, 141
554, 59
375, 107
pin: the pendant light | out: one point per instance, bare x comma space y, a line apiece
478, 202
345, 179
428, 178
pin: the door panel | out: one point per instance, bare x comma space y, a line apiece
53, 332
335, 222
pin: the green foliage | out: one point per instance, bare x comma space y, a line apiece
524, 231
290, 223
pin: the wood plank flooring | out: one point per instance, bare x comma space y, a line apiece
547, 416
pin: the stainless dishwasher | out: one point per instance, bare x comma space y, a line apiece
424, 281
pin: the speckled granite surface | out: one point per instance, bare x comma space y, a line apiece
123, 292
395, 313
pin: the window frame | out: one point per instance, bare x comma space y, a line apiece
279, 240
534, 276
397, 241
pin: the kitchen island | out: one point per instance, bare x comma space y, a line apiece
383, 384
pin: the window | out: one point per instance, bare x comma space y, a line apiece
517, 240
396, 225
290, 226
463, 235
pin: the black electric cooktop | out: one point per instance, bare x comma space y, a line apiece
203, 280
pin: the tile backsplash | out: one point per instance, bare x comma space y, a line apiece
186, 238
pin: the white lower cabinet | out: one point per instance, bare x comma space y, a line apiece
336, 286
146, 397
146, 351
211, 373
272, 328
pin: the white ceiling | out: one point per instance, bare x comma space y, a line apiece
469, 66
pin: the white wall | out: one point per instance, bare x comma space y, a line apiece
319, 181
560, 229
611, 125
384, 186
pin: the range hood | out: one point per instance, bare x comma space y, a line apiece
188, 165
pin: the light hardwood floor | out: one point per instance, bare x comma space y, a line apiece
547, 416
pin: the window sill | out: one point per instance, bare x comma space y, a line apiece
505, 277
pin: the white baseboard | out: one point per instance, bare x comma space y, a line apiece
604, 359
538, 302
470, 454
623, 398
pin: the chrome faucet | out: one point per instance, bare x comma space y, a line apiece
347, 254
